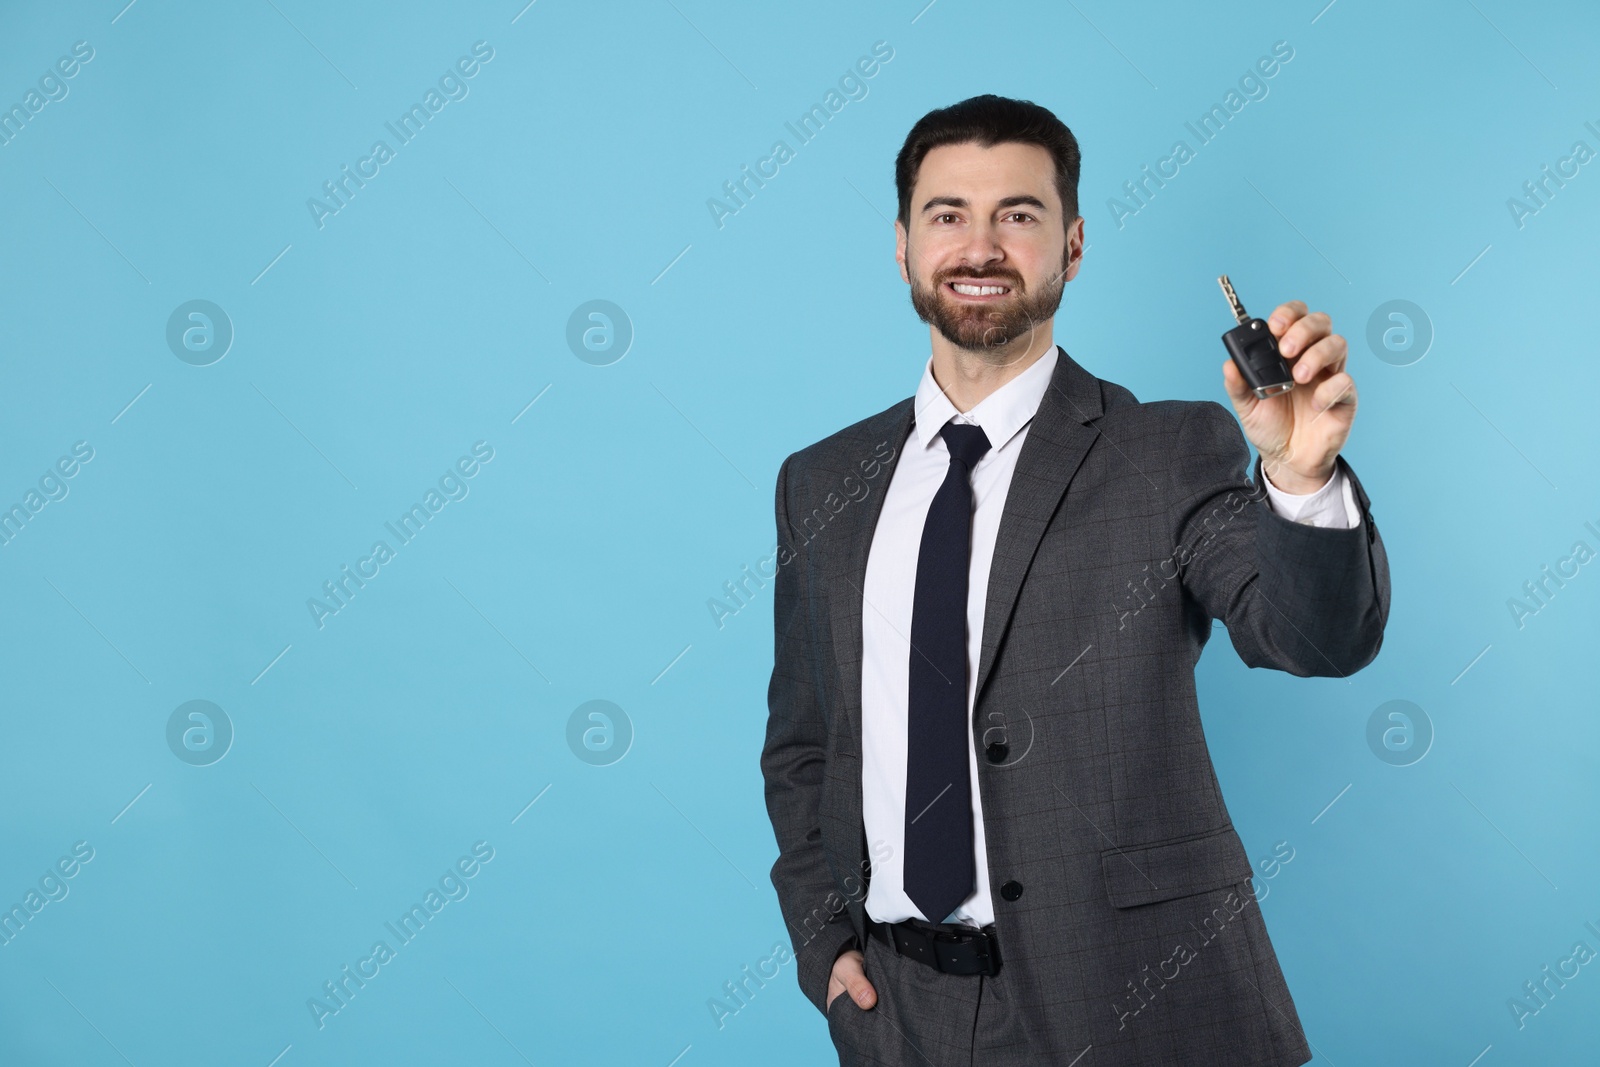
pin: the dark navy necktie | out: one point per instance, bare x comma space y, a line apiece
938, 868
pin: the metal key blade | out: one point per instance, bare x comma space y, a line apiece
1233, 299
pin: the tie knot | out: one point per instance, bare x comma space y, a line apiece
966, 442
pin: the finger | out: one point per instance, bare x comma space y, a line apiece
1337, 391
1284, 315
1239, 390
850, 969
839, 980
1328, 353
1303, 333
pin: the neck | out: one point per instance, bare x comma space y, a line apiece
967, 376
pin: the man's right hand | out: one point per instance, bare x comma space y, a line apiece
850, 976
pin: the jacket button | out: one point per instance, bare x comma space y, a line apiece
1011, 890
997, 752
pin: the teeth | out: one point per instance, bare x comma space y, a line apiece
978, 290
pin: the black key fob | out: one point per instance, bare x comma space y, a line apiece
1255, 350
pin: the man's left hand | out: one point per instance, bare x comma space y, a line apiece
1299, 433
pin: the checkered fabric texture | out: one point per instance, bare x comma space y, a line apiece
1127, 529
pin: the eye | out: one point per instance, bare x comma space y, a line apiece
945, 215
1022, 215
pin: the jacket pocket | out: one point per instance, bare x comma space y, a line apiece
1145, 874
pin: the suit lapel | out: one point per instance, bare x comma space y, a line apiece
1058, 438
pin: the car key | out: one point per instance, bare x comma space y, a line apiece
1255, 350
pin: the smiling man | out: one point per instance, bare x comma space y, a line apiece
985, 668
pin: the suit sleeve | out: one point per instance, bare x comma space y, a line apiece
1332, 505
792, 763
1309, 600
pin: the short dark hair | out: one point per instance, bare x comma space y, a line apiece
989, 120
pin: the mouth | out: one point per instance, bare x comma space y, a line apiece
978, 292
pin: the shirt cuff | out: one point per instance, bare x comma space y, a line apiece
1333, 505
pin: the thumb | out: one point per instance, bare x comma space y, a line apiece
861, 991
1239, 390
848, 970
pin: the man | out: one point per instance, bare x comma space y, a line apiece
990, 600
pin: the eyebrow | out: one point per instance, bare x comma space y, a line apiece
1010, 201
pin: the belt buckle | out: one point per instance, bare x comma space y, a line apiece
984, 947
912, 943
923, 942
971, 936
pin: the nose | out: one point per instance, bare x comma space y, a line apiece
981, 247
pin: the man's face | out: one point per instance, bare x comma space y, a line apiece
991, 218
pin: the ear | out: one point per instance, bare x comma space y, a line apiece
900, 238
1074, 248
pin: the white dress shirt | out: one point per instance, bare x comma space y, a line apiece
889, 593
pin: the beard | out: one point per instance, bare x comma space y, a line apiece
992, 326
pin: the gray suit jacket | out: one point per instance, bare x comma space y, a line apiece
1128, 527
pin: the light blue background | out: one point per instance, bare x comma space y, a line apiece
371, 753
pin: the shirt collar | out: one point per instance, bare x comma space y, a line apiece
1001, 414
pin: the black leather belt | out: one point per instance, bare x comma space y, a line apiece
945, 947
